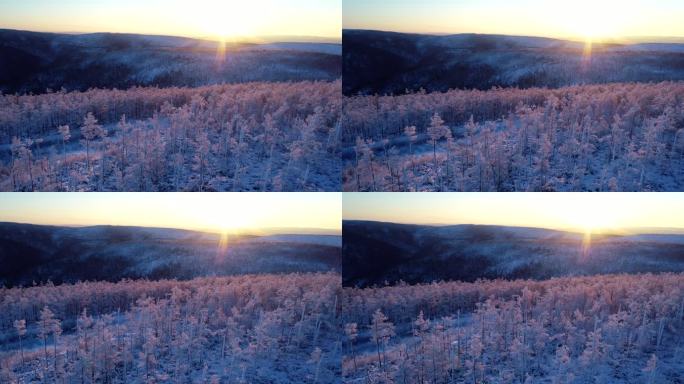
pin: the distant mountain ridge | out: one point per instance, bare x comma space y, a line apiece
34, 61
391, 62
377, 252
66, 254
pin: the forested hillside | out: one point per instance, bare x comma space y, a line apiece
38, 254
599, 329
376, 253
247, 329
239, 137
612, 137
391, 63
36, 61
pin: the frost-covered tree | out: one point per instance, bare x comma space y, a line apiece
572, 138
436, 130
65, 135
563, 330
259, 136
650, 369
202, 159
410, 133
239, 328
20, 327
46, 326
351, 331
90, 130
382, 330
22, 163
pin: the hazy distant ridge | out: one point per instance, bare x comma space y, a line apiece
66, 254
391, 62
34, 61
375, 252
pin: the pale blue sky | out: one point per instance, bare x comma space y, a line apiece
196, 18
574, 211
554, 18
202, 211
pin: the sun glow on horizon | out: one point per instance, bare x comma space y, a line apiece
231, 20
596, 20
223, 213
586, 213
228, 20
581, 20
591, 216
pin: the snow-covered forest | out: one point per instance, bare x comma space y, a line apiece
35, 61
377, 253
386, 62
243, 329
597, 329
37, 254
609, 137
240, 137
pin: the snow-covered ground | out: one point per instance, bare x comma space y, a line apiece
600, 329
614, 137
246, 329
246, 137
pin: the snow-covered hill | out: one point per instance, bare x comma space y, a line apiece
329, 240
66, 254
375, 252
33, 62
390, 63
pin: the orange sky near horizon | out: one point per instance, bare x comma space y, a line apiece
578, 19
581, 211
222, 19
251, 212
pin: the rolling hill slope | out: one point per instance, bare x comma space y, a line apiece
35, 61
375, 252
39, 253
391, 63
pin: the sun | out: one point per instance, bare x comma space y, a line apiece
595, 20
228, 26
591, 215
231, 223
596, 222
593, 27
228, 20
222, 216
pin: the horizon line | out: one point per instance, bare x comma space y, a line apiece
237, 231
301, 38
555, 37
613, 231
